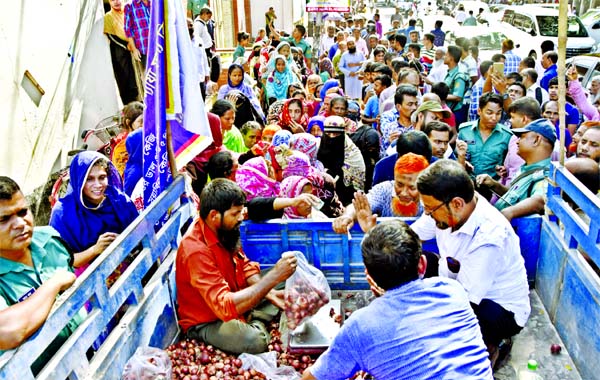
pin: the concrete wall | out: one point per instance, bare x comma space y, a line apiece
61, 43
288, 13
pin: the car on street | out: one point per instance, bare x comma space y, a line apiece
427, 23
591, 20
490, 40
588, 67
530, 25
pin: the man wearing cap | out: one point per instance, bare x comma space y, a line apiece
526, 193
327, 41
428, 111
391, 198
350, 64
361, 44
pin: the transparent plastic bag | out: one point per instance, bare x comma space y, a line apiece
306, 291
266, 364
148, 363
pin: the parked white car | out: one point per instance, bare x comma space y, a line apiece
591, 20
490, 40
530, 25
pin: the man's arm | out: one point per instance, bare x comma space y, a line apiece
19, 321
246, 299
529, 206
489, 182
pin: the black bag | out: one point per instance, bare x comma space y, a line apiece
215, 67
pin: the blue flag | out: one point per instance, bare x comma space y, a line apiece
172, 95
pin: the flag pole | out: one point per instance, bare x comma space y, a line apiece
170, 152
562, 89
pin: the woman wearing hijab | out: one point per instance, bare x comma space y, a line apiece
197, 168
279, 80
283, 49
232, 137
331, 87
235, 81
269, 132
309, 145
255, 179
293, 116
94, 211
298, 164
274, 111
326, 69
312, 82
342, 159
316, 125
292, 187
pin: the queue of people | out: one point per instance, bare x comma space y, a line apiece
380, 123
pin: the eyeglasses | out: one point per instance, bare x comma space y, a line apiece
435, 209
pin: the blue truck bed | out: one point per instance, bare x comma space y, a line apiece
568, 289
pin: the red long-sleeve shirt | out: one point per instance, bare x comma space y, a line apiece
207, 275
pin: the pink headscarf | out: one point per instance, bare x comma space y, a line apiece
305, 143
291, 187
253, 178
298, 164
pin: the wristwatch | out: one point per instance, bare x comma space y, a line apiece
505, 96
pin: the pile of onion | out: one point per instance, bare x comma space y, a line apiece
197, 361
302, 300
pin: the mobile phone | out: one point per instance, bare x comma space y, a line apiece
499, 68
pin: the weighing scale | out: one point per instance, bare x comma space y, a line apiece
316, 334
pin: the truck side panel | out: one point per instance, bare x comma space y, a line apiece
567, 285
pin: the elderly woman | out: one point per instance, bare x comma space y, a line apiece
298, 164
94, 211
292, 187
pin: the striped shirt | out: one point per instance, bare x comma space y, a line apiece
137, 24
511, 65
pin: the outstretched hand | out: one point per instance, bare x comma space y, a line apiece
365, 217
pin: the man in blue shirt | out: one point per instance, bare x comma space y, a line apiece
418, 329
572, 117
440, 36
549, 60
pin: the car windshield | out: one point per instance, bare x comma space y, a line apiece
590, 16
491, 41
549, 26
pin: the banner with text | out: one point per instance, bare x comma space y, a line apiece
328, 6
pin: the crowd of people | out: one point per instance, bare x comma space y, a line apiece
392, 123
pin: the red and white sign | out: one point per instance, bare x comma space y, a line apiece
328, 6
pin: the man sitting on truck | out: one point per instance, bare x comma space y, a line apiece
414, 319
479, 248
525, 196
391, 198
35, 267
223, 299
